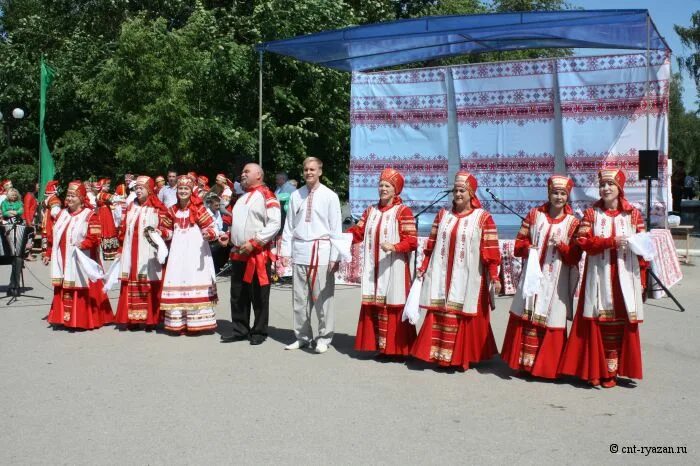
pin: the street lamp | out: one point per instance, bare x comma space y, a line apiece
17, 114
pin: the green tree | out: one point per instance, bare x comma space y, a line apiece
690, 37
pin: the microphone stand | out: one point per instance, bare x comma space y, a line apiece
416, 216
493, 196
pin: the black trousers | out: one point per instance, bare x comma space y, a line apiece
245, 294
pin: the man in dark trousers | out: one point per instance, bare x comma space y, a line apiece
257, 221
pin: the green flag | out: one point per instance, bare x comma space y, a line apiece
46, 165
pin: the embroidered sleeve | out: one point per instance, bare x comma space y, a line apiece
490, 252
432, 239
570, 252
165, 224
358, 230
587, 241
408, 238
94, 233
522, 239
206, 223
273, 214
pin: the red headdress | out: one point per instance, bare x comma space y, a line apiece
615, 175
190, 182
618, 178
467, 181
51, 187
78, 189
560, 182
394, 178
147, 182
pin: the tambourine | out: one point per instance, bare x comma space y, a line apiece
147, 233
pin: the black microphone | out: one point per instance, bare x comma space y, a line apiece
491, 194
446, 190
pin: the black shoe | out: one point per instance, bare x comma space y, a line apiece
257, 339
233, 338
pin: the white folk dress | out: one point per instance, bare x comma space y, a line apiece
189, 286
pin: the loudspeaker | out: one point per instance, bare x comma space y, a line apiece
648, 164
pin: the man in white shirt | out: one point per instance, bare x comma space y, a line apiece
168, 193
312, 219
257, 221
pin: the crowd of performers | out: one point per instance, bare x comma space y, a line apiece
167, 276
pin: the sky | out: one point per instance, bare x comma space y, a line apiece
664, 13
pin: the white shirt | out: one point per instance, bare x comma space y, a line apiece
255, 217
312, 218
168, 195
218, 221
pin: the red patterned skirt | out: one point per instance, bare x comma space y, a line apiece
599, 350
110, 240
451, 339
139, 303
83, 308
380, 329
533, 348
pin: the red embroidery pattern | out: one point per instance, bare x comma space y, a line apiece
309, 205
400, 77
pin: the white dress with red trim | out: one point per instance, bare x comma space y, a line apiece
189, 285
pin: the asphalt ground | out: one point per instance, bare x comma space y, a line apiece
119, 397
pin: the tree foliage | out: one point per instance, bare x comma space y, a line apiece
143, 85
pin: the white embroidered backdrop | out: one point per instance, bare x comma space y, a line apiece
512, 124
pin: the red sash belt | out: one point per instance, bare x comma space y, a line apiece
255, 265
313, 268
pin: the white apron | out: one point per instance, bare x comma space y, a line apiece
462, 293
598, 300
383, 283
553, 303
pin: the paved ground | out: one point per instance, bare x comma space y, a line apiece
111, 397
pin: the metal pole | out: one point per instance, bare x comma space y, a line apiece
260, 107
646, 92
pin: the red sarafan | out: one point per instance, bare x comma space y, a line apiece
387, 232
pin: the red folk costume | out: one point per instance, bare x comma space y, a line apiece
77, 301
189, 284
461, 258
110, 236
30, 205
386, 279
51, 206
604, 339
141, 273
160, 182
536, 333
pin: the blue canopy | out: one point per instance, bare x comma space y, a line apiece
393, 43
